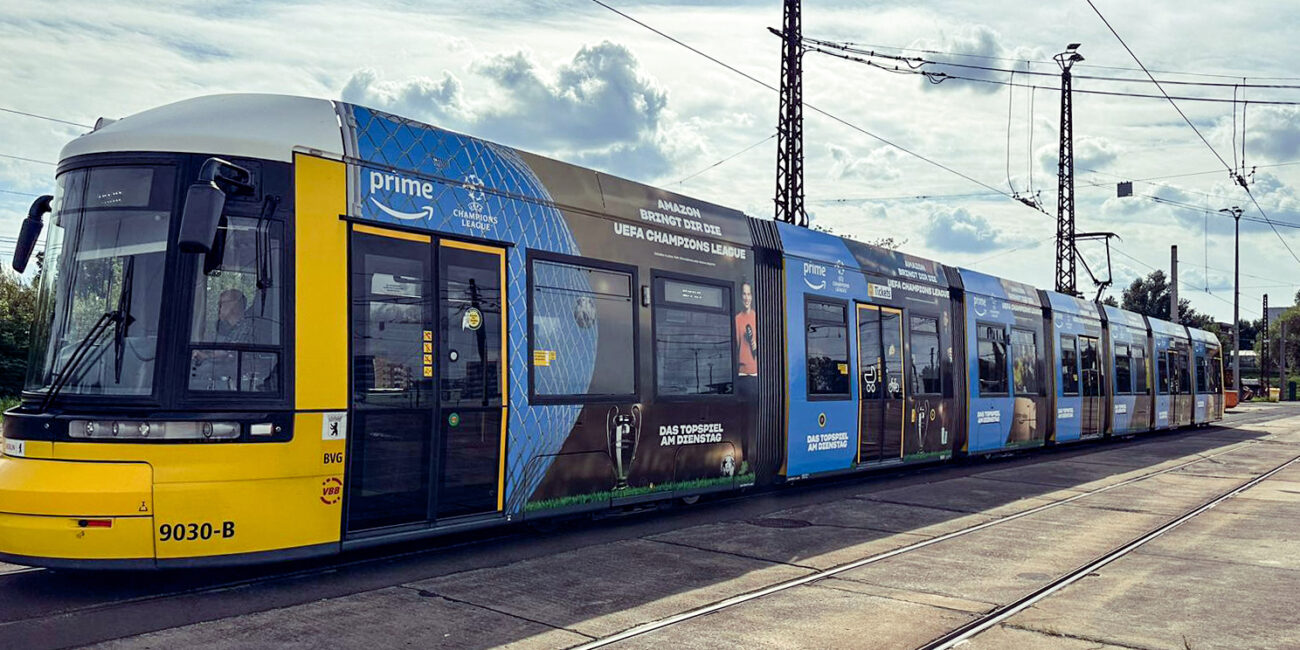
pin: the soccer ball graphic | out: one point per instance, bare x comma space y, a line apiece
584, 312
728, 465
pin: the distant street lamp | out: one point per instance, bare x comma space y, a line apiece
1236, 296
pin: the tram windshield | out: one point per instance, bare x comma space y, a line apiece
101, 282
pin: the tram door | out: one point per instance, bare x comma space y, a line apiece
881, 382
428, 413
471, 378
390, 445
1091, 378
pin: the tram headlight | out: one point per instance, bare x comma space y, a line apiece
136, 430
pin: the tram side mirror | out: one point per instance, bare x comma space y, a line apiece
30, 232
206, 200
203, 206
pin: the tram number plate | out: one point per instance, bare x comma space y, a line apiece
189, 532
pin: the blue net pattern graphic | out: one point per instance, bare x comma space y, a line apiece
414, 174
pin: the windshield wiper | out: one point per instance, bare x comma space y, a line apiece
120, 318
124, 319
79, 355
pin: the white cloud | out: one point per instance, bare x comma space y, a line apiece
598, 109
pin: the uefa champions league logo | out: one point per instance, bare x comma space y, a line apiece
473, 186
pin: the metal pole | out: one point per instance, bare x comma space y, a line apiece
1236, 300
1236, 296
1281, 361
1263, 350
1065, 251
1173, 284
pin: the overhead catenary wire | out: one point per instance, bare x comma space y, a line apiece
811, 107
1181, 283
45, 117
1236, 173
1080, 65
917, 62
30, 160
727, 159
940, 77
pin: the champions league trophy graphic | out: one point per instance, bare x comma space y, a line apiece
623, 430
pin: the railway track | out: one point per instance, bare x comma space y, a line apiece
999, 614
1004, 612
117, 597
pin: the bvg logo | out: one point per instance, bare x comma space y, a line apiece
814, 275
331, 491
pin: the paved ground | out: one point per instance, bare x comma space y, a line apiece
1226, 579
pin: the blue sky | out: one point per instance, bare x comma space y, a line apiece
570, 79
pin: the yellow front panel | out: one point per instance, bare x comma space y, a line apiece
45, 487
201, 519
232, 498
130, 538
321, 267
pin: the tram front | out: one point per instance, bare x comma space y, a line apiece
157, 426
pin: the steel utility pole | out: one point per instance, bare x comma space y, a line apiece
1065, 271
1263, 350
789, 129
1236, 296
1173, 284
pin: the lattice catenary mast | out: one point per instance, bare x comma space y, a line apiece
1065, 251
789, 141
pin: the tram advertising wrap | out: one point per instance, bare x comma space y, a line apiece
578, 433
1007, 402
379, 330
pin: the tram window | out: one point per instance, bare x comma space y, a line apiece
1202, 371
1184, 376
1024, 362
583, 342
992, 358
1090, 362
926, 378
1123, 370
1216, 378
827, 334
237, 292
1069, 365
1162, 373
1141, 377
693, 346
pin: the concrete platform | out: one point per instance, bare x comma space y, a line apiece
1228, 578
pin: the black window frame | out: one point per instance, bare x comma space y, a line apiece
657, 298
1078, 373
273, 179
532, 256
1140, 369
1040, 389
848, 349
1124, 385
278, 282
1005, 341
918, 377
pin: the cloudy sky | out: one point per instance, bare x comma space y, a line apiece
573, 80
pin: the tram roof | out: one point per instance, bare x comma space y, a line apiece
996, 287
238, 125
1072, 304
1118, 316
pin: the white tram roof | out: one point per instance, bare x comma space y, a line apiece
238, 125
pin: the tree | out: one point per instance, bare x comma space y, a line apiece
1150, 296
17, 311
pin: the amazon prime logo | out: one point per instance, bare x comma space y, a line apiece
394, 184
